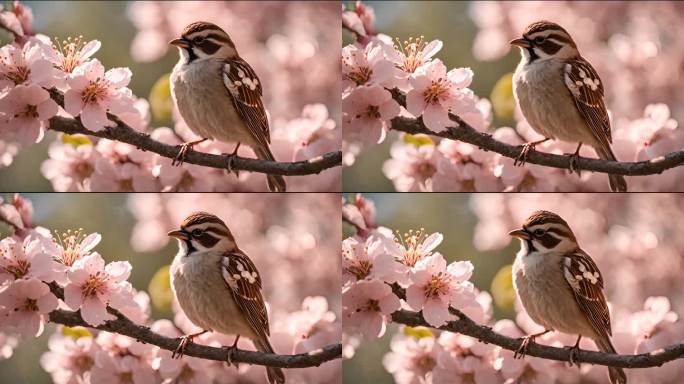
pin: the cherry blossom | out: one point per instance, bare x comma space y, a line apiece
26, 258
187, 370
435, 93
28, 109
368, 110
25, 65
464, 360
367, 66
434, 287
93, 286
411, 361
72, 246
92, 93
367, 306
368, 259
413, 54
71, 53
411, 168
70, 167
69, 360
27, 303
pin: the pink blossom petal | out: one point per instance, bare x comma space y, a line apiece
415, 102
119, 77
73, 103
47, 109
119, 270
47, 303
415, 297
436, 118
90, 49
94, 117
431, 49
94, 312
436, 313
90, 242
72, 296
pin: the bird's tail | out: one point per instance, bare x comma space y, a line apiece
275, 375
276, 183
617, 182
617, 375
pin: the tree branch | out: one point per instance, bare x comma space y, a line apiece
124, 326
464, 325
465, 133
123, 133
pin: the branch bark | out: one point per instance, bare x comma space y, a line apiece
123, 133
124, 326
464, 325
466, 133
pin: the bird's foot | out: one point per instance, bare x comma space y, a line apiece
574, 350
526, 148
231, 158
522, 350
574, 161
183, 151
180, 351
230, 351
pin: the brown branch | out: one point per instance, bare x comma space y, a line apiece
124, 326
464, 325
123, 133
467, 134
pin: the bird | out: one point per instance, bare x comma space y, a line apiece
560, 286
561, 95
219, 95
218, 286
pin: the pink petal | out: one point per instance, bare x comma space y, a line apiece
90, 48
94, 312
119, 77
431, 49
94, 117
119, 270
90, 242
47, 303
389, 110
72, 102
72, 296
436, 118
371, 325
47, 109
415, 297
415, 102
436, 313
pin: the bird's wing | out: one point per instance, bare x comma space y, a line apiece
244, 283
244, 88
586, 89
584, 278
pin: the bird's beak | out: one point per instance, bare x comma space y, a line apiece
180, 43
522, 43
520, 234
181, 235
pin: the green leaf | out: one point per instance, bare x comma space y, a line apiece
160, 289
502, 98
418, 140
502, 288
76, 332
418, 332
161, 103
75, 140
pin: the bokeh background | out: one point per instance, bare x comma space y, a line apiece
290, 238
636, 48
293, 47
632, 238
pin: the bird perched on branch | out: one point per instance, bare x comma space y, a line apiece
561, 95
560, 286
219, 94
218, 286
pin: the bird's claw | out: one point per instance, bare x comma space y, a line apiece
574, 350
180, 158
574, 163
178, 353
229, 354
522, 350
522, 157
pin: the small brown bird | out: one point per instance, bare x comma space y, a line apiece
219, 94
560, 286
561, 95
218, 287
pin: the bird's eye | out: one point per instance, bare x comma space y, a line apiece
198, 40
539, 39
539, 232
196, 232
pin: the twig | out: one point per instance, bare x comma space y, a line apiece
468, 327
465, 133
123, 133
124, 326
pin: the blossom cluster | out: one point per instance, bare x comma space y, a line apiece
376, 264
41, 272
643, 125
32, 69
